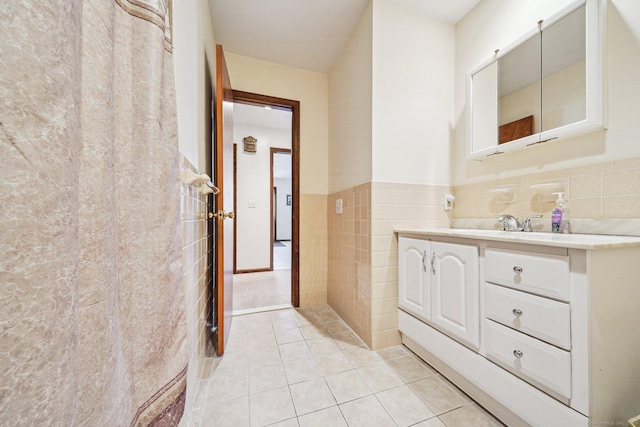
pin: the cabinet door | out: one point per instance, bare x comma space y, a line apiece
413, 277
455, 291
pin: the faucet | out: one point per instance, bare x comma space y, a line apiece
526, 224
510, 223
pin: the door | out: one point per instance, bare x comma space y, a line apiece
455, 291
413, 277
223, 155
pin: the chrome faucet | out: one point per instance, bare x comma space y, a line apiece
526, 224
510, 223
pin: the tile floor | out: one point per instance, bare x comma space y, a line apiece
306, 368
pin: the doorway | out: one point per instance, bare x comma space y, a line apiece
267, 207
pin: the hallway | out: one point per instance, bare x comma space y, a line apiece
305, 367
267, 289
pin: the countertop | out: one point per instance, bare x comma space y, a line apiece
573, 241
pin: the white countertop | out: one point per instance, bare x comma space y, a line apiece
574, 241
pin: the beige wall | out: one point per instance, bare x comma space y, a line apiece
391, 109
363, 273
495, 23
599, 191
311, 89
350, 110
350, 258
413, 90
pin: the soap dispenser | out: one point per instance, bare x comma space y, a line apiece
560, 216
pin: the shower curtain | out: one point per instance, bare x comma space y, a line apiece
92, 322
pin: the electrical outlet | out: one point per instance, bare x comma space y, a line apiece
252, 203
448, 202
338, 206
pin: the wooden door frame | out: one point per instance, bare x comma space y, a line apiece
293, 106
275, 150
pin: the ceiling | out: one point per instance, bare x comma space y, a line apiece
253, 115
304, 34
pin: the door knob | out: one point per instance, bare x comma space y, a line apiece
223, 215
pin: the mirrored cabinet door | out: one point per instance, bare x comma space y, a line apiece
519, 91
544, 86
564, 72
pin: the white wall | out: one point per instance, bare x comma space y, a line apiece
413, 92
311, 89
350, 110
494, 24
190, 43
253, 174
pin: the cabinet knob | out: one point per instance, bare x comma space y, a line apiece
518, 353
517, 269
517, 312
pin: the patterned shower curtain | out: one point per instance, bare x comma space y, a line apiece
92, 322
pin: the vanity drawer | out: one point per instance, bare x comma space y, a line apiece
540, 317
542, 274
538, 363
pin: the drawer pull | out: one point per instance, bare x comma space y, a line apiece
517, 312
518, 353
517, 269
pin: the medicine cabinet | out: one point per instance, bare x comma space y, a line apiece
546, 85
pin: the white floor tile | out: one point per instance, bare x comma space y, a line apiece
404, 406
366, 412
310, 396
271, 406
330, 417
347, 386
325, 378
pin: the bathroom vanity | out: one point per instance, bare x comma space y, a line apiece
541, 329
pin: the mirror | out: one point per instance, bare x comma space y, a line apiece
519, 83
546, 85
564, 72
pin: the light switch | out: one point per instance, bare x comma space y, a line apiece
338, 206
252, 203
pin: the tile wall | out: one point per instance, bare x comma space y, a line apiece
362, 280
394, 206
601, 191
313, 249
195, 259
349, 279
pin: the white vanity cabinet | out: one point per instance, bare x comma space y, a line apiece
438, 283
556, 319
414, 292
455, 291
